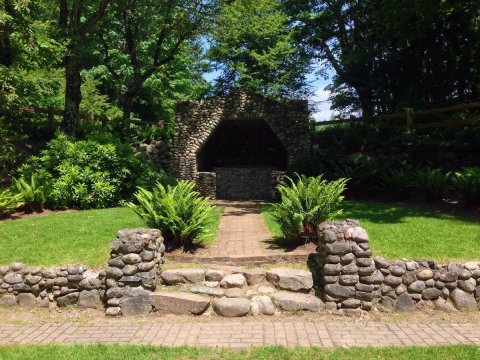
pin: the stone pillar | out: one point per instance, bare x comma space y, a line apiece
207, 184
135, 257
347, 273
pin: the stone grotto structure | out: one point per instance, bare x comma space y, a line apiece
235, 146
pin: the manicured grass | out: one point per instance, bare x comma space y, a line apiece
105, 352
400, 231
77, 237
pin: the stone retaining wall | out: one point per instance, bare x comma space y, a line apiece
55, 286
348, 277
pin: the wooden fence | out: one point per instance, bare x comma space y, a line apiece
50, 112
408, 116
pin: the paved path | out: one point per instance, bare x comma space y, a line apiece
237, 334
242, 231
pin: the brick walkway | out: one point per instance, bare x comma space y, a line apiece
236, 334
242, 231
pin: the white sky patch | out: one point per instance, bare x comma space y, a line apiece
323, 112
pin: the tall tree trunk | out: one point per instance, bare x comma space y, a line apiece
6, 54
366, 101
73, 94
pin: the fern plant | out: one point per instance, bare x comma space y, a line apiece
33, 192
467, 182
305, 203
433, 183
9, 201
396, 183
178, 211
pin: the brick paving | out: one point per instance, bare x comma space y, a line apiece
238, 334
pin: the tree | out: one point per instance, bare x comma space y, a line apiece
144, 37
253, 45
76, 19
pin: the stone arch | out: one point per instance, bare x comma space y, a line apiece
196, 121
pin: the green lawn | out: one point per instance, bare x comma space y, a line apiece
399, 231
77, 237
105, 352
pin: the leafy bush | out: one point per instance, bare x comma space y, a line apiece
433, 183
361, 171
396, 183
305, 203
34, 193
178, 211
94, 173
467, 182
9, 202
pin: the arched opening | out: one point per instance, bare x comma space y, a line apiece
243, 154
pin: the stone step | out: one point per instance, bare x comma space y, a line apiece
181, 303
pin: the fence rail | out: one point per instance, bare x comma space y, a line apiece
50, 112
409, 116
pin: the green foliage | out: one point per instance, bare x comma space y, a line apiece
9, 201
307, 202
396, 183
34, 192
467, 182
254, 45
433, 183
94, 173
179, 211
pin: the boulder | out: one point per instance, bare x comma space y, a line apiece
205, 290
340, 291
214, 275
425, 274
234, 293
463, 300
431, 294
136, 301
405, 303
89, 299
66, 300
182, 303
443, 305
182, 276
26, 300
294, 302
13, 278
254, 276
231, 307
233, 281
290, 279
262, 305
8, 300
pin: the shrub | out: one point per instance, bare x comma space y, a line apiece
395, 183
33, 192
467, 182
9, 202
432, 183
178, 211
305, 203
94, 173
361, 171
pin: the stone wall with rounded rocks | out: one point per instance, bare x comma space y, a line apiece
30, 286
350, 279
233, 291
131, 275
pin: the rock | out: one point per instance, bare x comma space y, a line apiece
3, 269
350, 269
393, 281
26, 300
351, 303
32, 280
182, 276
211, 284
113, 311
130, 269
443, 305
290, 279
431, 294
254, 276
359, 235
131, 259
90, 283
17, 266
66, 300
263, 304
233, 281
214, 275
397, 270
182, 303
332, 269
265, 290
231, 307
472, 265
13, 278
462, 300
425, 274
364, 287
146, 266
114, 273
448, 276
136, 301
8, 300
349, 279
464, 274
381, 262
339, 248
364, 262
417, 286
340, 291
466, 285
405, 303
234, 293
89, 299
294, 302
204, 290
411, 265
409, 278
